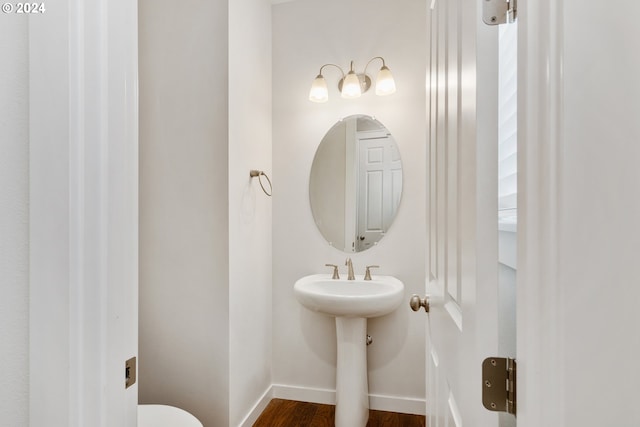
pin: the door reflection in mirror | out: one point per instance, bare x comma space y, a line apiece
355, 185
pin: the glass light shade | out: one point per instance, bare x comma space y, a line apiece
351, 86
319, 91
385, 85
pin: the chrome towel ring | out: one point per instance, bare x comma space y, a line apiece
253, 173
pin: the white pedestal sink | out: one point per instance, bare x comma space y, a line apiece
351, 302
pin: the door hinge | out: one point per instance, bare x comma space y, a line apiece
496, 12
130, 374
499, 384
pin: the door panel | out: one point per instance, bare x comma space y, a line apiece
577, 290
380, 186
462, 217
450, 149
83, 213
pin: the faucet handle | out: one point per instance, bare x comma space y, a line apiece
335, 271
367, 273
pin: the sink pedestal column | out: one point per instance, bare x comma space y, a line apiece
352, 388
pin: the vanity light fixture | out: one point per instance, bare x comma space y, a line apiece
352, 84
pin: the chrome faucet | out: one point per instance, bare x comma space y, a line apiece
349, 264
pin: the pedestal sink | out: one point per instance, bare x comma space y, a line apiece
351, 302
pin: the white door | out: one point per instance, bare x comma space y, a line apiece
83, 213
379, 186
579, 206
462, 212
578, 210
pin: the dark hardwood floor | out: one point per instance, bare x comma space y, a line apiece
289, 413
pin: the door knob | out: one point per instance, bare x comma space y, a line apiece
416, 302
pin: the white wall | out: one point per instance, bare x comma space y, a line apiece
205, 226
14, 221
184, 251
306, 35
249, 208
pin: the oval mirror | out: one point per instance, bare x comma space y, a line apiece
356, 183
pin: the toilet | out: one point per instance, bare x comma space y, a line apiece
165, 416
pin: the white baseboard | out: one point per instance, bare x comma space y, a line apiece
405, 405
257, 409
304, 394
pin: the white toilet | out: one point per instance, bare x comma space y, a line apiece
165, 416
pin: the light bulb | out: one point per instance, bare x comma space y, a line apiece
385, 85
319, 92
351, 86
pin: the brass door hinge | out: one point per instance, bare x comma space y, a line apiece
496, 12
499, 384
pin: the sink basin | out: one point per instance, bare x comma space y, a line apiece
349, 298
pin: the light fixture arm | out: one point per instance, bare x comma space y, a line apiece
370, 61
333, 65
